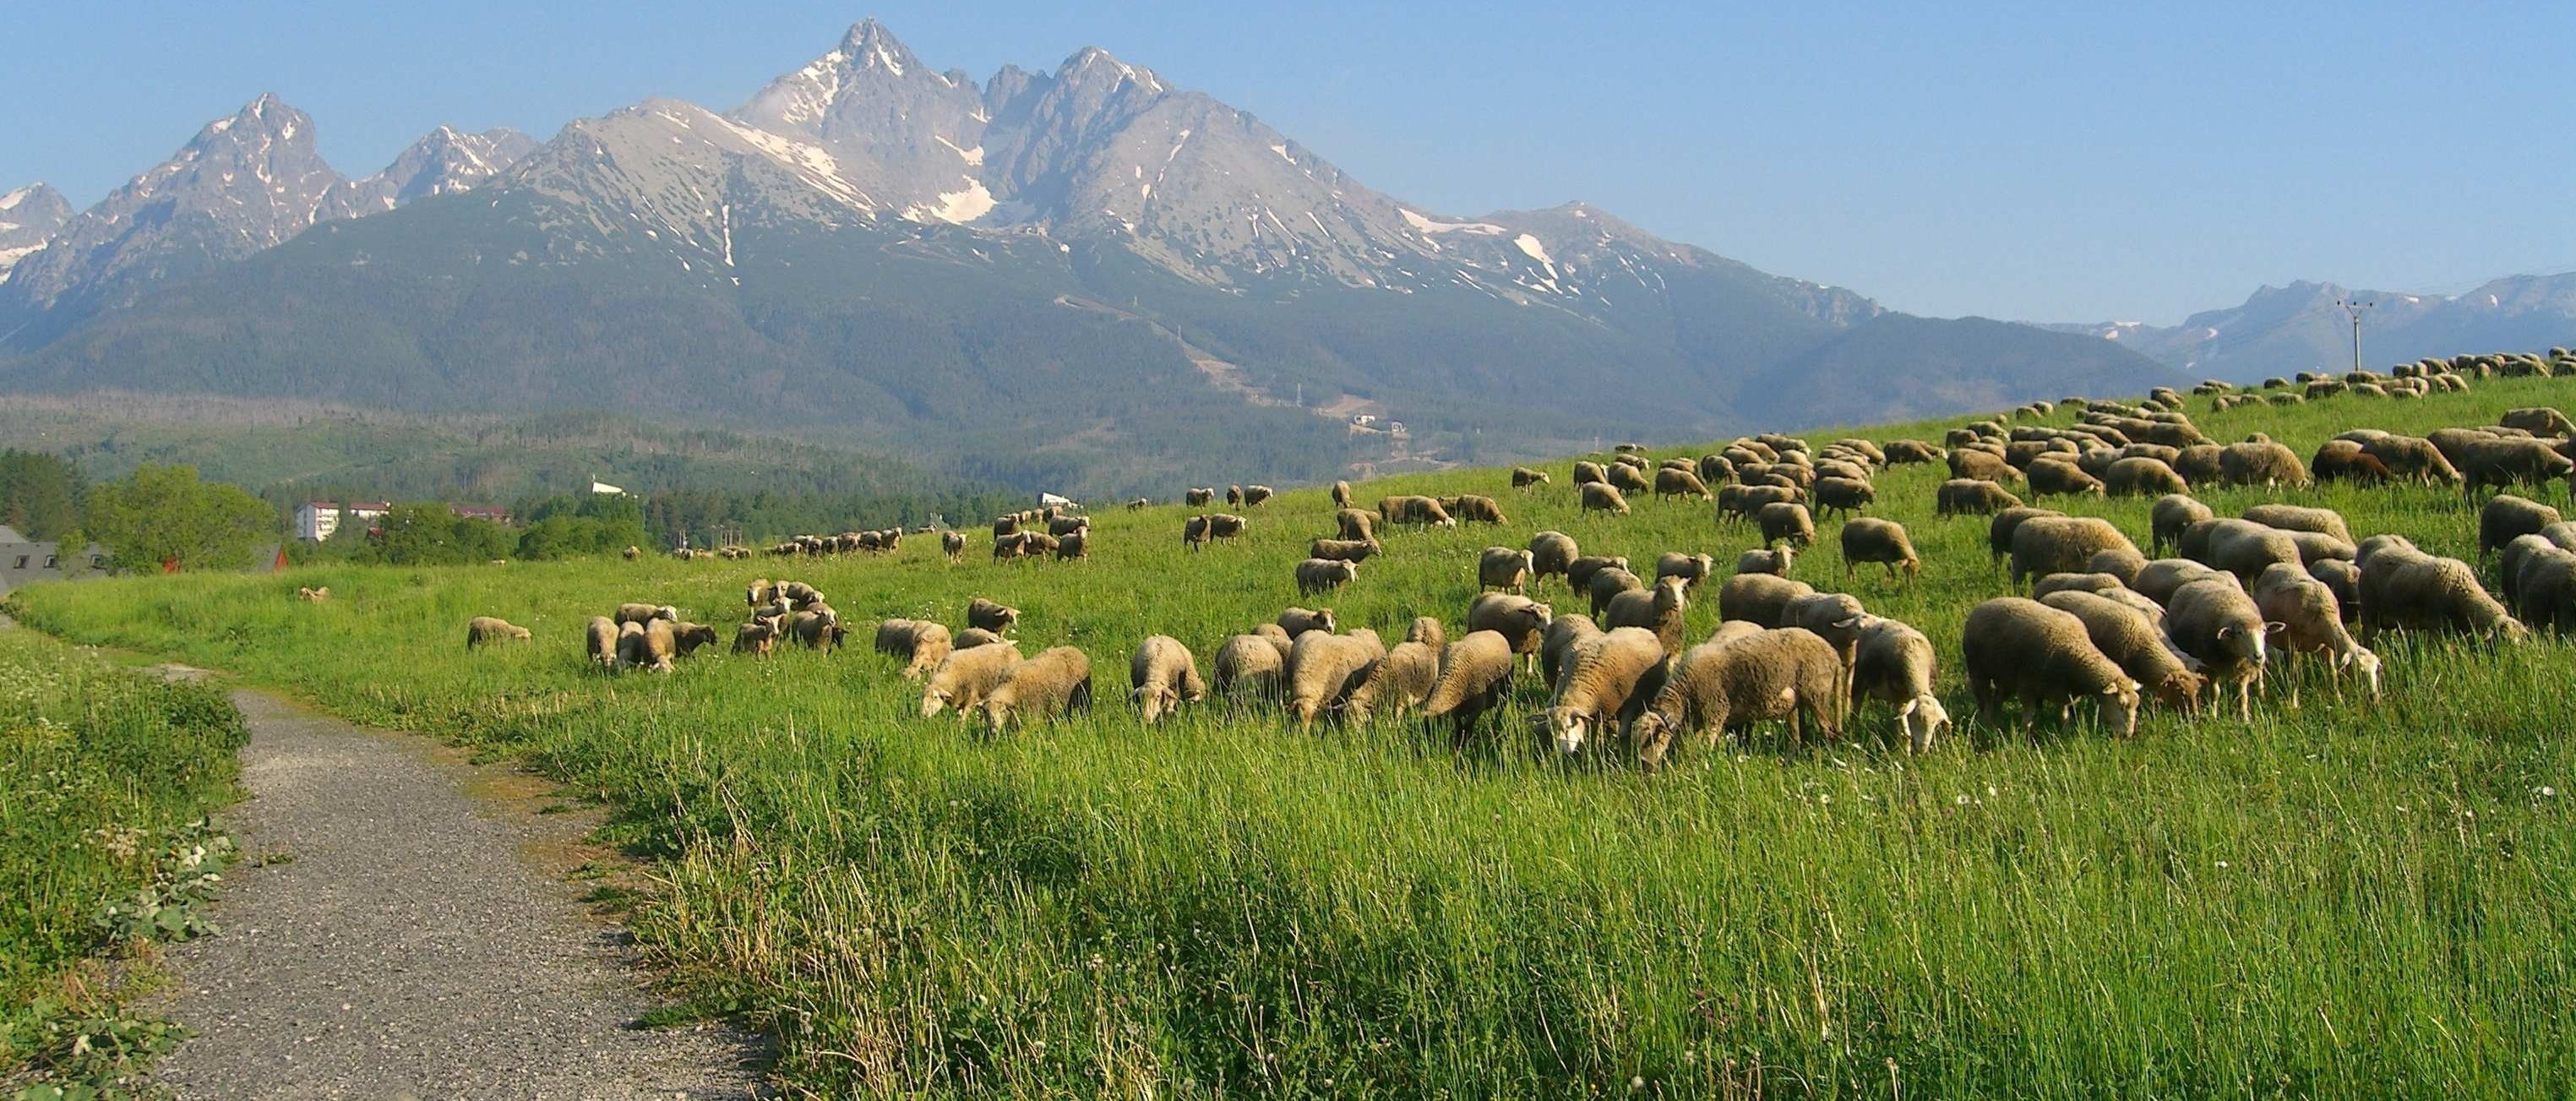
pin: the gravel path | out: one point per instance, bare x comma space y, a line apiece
422, 942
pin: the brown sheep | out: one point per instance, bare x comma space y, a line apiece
2061, 544
1784, 522
2027, 649
2137, 644
1846, 495
1675, 482
952, 544
1524, 477
1608, 584
1520, 620
1414, 509
991, 616
2200, 463
1344, 550
1607, 678
1715, 470
757, 638
1759, 598
1503, 568
1055, 682
2139, 475
1323, 575
1969, 496
1715, 687
2305, 618
2171, 515
920, 643
2052, 476
2506, 516
484, 629
1603, 497
1867, 539
1298, 621
1356, 524
688, 637
2346, 461
1659, 610
1162, 676
813, 630
1981, 466
1691, 568
1579, 571
2413, 458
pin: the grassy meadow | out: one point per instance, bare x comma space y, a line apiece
2355, 898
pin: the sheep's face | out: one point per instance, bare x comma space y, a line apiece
2124, 697
2365, 663
2243, 645
1570, 728
2181, 689
1924, 718
933, 701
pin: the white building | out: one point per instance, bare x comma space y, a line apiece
315, 521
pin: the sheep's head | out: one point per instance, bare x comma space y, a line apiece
2181, 689
2123, 695
2363, 661
1570, 728
1152, 702
1924, 717
934, 700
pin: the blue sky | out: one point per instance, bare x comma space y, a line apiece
2129, 162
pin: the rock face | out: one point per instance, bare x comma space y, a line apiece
29, 217
442, 163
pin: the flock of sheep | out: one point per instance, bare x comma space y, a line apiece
2102, 622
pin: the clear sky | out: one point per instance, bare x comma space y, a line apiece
2037, 162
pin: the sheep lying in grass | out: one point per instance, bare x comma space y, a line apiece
1056, 681
1607, 678
1475, 676
2017, 647
1163, 675
1719, 686
991, 616
484, 629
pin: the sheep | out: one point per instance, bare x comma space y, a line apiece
2539, 421
644, 613
1745, 500
1894, 663
1005, 525
2219, 624
2135, 641
1341, 494
1520, 620
2260, 463
973, 637
1473, 509
1503, 568
647, 645
2347, 461
1579, 571
1475, 676
1626, 479
1395, 683
814, 630
1254, 495
1659, 610
2062, 544
2506, 516
1074, 547
1322, 669
1691, 568
1323, 575
1017, 544
796, 593
2051, 476
952, 544
1608, 584
1524, 477
1428, 630
1234, 495
1251, 665
2414, 458
758, 593
2158, 579
2200, 462
1357, 524
2041, 654
1606, 679
313, 595
1845, 495
633, 552
2120, 562
1414, 509
2505, 462
1967, 496
1063, 526
1759, 598
2304, 617
2404, 588
920, 643
1557, 643
1056, 681
1982, 466
688, 637
2074, 582
756, 638
1603, 497
1344, 550
2246, 548
601, 637
1901, 452
1589, 473
1223, 525
1551, 553
1784, 522
1769, 560
2540, 583
1679, 482
1140, 504
2139, 475
1199, 497
483, 629
1868, 539
1784, 674
1836, 618
1162, 676
2317, 546
2170, 516
1298, 621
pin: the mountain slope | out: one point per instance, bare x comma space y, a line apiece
2300, 327
29, 217
442, 163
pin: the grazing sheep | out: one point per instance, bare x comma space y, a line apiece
1970, 496
1836, 618
2074, 582
1771, 560
1677, 482
633, 552
1715, 470
1759, 598
2539, 421
814, 630
1056, 681
1557, 642
1063, 526
2506, 516
1198, 497
1715, 687
2025, 648
2260, 463
758, 593
1162, 676
2135, 641
644, 613
484, 629
2301, 518
1341, 494
2403, 588
1844, 495
1900, 452
1472, 509
2413, 458
1587, 473
1524, 477
1744, 500
1659, 610
1982, 466
1074, 547
2120, 562
648, 645
1005, 525
991, 616
2171, 516
2200, 462
2540, 583
920, 643
1428, 630
2062, 544
1393, 684
1298, 621
952, 544
1254, 495
1606, 680
1356, 524
1475, 677
2347, 461
1234, 495
1895, 664
2052, 476
2305, 618
1344, 550
1579, 571
1140, 504
313, 595
1603, 497
1252, 665
1322, 670
2500, 463
601, 635
1784, 522
756, 638
1323, 575
1018, 543
1691, 568
796, 593
1503, 568
2139, 475
1551, 553
2158, 579
1627, 479
688, 637
1520, 620
1868, 539
1414, 509
2317, 546
2245, 548
1608, 584
1223, 525
2219, 624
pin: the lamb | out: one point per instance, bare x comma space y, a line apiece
756, 638
2220, 625
1056, 681
1357, 524
1608, 584
1504, 568
1323, 575
1579, 571
1659, 610
1323, 668
2506, 516
1298, 621
2052, 476
2026, 648
920, 643
1414, 509
1783, 522
1392, 684
2171, 516
1770, 560
1603, 497
1254, 495
2135, 641
1845, 495
1894, 663
2305, 618
644, 613
952, 544
2061, 544
1759, 598
2246, 548
1784, 674
1162, 676
1475, 677
1479, 510
2139, 475
815, 630
1606, 679
1252, 665
1344, 550
1520, 620
1691, 568
1524, 477
1868, 539
1677, 482
483, 629
1969, 496
2404, 588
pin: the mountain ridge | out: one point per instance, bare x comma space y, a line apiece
2302, 327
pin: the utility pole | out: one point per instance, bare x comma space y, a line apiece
2354, 309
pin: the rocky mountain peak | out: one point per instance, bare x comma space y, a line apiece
29, 217
442, 162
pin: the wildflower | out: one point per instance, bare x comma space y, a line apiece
2547, 791
1637, 1083
1963, 800
2222, 865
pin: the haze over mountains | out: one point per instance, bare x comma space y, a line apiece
1084, 278
2301, 327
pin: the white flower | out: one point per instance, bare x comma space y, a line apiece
1963, 800
2222, 864
2548, 791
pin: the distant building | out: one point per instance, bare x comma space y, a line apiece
23, 560
494, 513
315, 521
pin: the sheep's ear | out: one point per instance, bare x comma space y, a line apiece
2272, 628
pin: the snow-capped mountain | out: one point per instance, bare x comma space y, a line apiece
29, 217
442, 163
2303, 327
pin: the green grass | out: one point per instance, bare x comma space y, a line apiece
106, 775
2353, 898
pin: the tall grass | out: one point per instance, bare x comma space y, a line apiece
2358, 897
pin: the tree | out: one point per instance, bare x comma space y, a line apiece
40, 495
433, 535
164, 514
